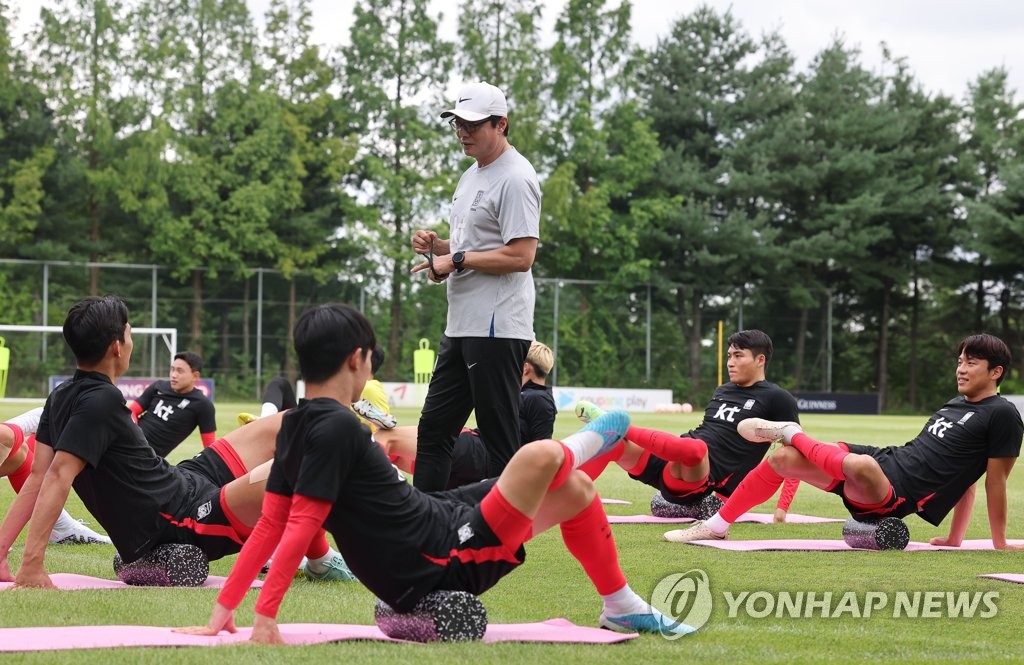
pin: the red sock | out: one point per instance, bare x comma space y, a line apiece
788, 492
669, 446
596, 466
826, 457
508, 523
759, 486
568, 466
588, 537
319, 546
22, 473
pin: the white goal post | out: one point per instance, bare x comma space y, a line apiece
168, 335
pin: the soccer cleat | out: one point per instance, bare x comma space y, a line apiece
760, 430
337, 571
611, 427
245, 418
699, 531
588, 411
69, 531
372, 413
647, 622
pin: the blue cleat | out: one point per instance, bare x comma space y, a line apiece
648, 622
611, 426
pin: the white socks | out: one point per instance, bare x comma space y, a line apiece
717, 524
624, 601
584, 445
269, 409
28, 421
319, 565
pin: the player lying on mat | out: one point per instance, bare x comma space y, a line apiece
713, 457
87, 440
400, 542
978, 432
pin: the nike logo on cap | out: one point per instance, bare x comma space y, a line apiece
464, 99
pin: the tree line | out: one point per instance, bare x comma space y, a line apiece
863, 221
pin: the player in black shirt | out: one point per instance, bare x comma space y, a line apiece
976, 433
713, 457
400, 542
168, 411
87, 439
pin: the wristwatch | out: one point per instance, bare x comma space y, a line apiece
458, 258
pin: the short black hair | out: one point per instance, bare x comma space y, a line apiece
194, 360
376, 359
92, 324
757, 341
495, 119
326, 335
989, 348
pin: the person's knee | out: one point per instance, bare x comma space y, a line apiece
786, 460
863, 470
546, 455
579, 489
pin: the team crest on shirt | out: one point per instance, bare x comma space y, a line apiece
204, 510
476, 200
966, 417
748, 405
465, 533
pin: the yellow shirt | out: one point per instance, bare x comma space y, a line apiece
374, 393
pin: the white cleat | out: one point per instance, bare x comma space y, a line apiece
69, 531
759, 430
699, 531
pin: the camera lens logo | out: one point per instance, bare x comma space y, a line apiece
685, 597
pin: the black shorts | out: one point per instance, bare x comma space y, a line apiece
204, 520
473, 569
469, 460
898, 505
653, 474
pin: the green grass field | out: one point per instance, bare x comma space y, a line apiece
551, 584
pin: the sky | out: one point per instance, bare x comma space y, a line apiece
947, 43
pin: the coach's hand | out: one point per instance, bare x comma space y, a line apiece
422, 241
221, 619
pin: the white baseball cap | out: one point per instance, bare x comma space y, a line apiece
477, 101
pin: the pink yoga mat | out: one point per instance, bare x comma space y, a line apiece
1005, 577
758, 518
73, 582
793, 544
97, 637
615, 502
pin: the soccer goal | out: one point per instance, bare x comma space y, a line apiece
169, 337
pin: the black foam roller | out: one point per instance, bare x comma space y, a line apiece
888, 533
172, 564
703, 509
440, 616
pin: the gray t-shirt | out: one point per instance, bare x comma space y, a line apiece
492, 206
